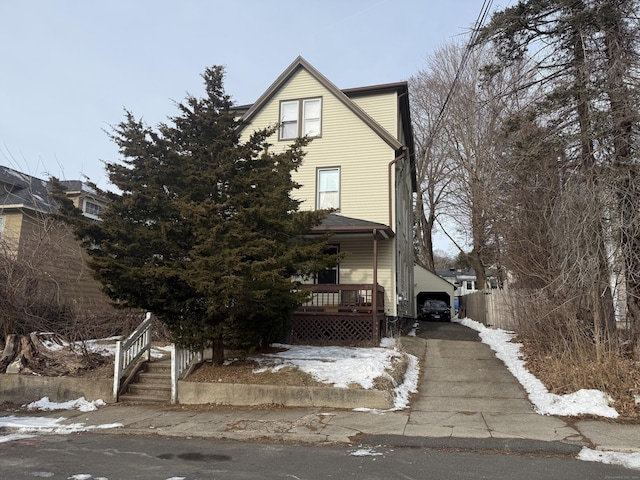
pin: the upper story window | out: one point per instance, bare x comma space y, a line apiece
92, 209
328, 189
299, 118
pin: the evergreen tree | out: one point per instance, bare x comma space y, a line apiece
586, 55
205, 233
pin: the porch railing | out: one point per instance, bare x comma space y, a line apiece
345, 297
137, 347
340, 314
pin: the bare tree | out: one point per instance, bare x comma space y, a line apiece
459, 116
44, 284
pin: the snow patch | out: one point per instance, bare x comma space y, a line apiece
365, 452
81, 404
627, 460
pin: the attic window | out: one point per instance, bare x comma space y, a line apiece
299, 118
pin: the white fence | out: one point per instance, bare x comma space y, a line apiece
489, 307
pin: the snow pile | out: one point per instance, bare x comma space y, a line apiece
627, 460
344, 366
44, 404
582, 402
365, 452
29, 425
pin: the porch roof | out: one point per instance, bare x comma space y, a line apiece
335, 223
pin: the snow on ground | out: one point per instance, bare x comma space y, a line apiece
627, 460
341, 366
26, 427
582, 402
44, 404
103, 346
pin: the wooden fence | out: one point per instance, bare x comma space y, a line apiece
489, 307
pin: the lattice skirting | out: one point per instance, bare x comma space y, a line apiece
336, 329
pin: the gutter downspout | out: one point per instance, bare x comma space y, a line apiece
391, 163
391, 226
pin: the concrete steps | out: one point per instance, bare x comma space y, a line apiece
151, 384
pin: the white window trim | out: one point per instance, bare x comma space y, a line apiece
319, 171
84, 208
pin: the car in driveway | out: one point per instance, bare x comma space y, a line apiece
435, 311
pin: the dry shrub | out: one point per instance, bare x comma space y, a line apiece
394, 375
560, 349
243, 372
613, 374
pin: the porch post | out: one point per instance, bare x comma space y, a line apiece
374, 300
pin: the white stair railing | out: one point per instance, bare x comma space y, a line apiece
130, 350
181, 360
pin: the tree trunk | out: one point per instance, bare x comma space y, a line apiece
27, 354
218, 352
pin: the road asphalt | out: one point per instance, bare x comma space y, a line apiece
467, 399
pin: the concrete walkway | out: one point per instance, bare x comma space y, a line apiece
467, 399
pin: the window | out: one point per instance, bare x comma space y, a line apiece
328, 187
92, 209
299, 118
329, 275
1, 225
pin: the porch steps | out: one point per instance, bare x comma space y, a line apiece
151, 384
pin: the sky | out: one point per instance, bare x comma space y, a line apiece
70, 68
341, 366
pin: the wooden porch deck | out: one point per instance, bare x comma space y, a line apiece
340, 314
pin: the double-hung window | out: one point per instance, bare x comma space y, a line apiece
328, 189
300, 118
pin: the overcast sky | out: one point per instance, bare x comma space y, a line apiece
69, 68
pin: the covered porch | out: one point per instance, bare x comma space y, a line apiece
341, 314
353, 312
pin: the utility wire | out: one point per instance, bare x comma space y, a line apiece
482, 16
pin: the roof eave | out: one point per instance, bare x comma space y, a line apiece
299, 63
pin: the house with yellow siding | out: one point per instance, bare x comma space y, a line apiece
48, 261
360, 166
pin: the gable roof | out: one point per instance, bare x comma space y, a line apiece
300, 63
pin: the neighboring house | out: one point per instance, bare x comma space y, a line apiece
429, 286
360, 164
465, 280
53, 264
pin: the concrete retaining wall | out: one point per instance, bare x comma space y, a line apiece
23, 389
194, 393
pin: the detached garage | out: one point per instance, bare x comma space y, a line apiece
429, 286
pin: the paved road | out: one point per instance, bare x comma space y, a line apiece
111, 457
